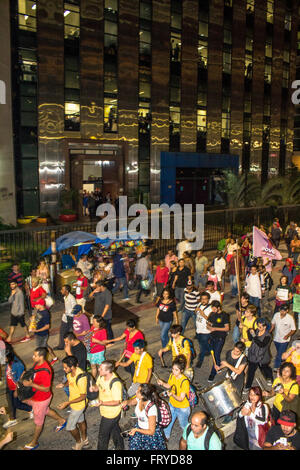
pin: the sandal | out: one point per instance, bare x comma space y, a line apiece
29, 447
60, 428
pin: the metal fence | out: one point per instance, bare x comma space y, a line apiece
29, 244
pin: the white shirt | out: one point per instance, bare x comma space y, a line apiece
283, 326
85, 267
201, 323
182, 247
214, 296
231, 248
219, 265
253, 285
143, 420
70, 303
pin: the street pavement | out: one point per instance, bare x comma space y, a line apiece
50, 440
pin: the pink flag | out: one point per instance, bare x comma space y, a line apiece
262, 246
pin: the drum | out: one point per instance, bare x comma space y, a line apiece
221, 399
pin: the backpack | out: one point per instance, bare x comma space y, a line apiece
24, 393
124, 391
193, 352
164, 415
210, 432
90, 382
193, 398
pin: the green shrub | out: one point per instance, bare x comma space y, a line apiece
5, 269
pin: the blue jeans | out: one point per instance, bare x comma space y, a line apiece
183, 417
186, 315
255, 301
203, 340
280, 348
179, 294
200, 279
233, 283
121, 281
236, 334
164, 332
216, 345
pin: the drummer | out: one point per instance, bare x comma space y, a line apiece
235, 363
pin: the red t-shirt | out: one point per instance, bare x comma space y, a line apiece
296, 280
100, 335
9, 379
129, 350
42, 378
34, 294
162, 275
81, 282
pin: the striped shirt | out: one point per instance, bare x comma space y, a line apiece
191, 299
16, 277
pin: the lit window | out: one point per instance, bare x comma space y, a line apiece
288, 21
111, 5
175, 47
72, 21
201, 119
202, 53
270, 11
268, 73
72, 116
250, 6
27, 15
226, 125
110, 115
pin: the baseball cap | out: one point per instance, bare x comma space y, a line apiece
287, 418
189, 284
284, 307
76, 309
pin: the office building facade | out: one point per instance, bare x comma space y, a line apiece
103, 88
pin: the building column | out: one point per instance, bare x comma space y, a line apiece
189, 76
160, 91
214, 76
7, 166
259, 40
238, 78
91, 69
50, 41
129, 86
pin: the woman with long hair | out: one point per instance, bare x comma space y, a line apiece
283, 293
147, 435
259, 353
13, 371
165, 314
253, 415
130, 334
43, 274
98, 342
285, 388
178, 389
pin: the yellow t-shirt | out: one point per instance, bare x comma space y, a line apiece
146, 364
248, 325
185, 350
178, 387
109, 394
294, 390
294, 358
77, 389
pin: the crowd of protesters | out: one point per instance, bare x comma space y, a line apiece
182, 286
